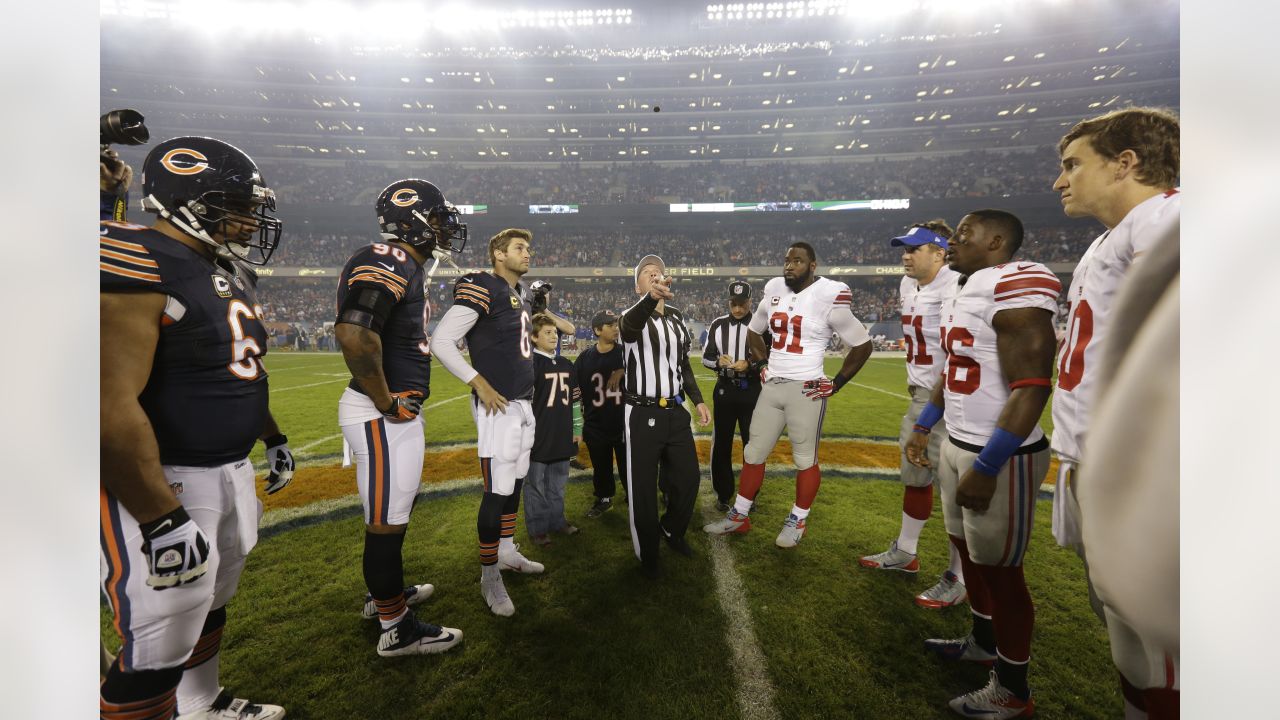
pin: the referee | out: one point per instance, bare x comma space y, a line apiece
657, 380
737, 387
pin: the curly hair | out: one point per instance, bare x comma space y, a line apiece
1151, 133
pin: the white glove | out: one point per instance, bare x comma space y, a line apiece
280, 462
177, 550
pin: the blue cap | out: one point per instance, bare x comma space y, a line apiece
918, 236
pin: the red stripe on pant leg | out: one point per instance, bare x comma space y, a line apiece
750, 479
807, 482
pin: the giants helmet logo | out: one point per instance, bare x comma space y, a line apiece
404, 197
184, 161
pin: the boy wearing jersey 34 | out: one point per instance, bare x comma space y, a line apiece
997, 332
1121, 169
490, 311
381, 328
802, 311
927, 282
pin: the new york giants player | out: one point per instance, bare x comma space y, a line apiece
927, 282
381, 328
997, 332
802, 312
490, 311
1121, 169
184, 398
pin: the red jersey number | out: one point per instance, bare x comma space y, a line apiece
781, 326
1079, 333
955, 362
913, 336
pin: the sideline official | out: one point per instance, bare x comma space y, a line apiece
657, 380
737, 387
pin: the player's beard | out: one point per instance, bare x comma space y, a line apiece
797, 283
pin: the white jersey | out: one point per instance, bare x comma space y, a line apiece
921, 307
976, 388
802, 325
1094, 286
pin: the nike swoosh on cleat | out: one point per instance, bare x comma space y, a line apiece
976, 712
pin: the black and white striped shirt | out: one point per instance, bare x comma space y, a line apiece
726, 336
656, 352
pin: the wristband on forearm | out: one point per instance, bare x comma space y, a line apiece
1030, 382
1002, 445
929, 417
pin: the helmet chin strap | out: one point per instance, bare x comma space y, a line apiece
187, 222
438, 255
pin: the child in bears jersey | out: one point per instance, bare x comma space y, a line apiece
557, 431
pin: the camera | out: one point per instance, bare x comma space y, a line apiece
538, 292
122, 127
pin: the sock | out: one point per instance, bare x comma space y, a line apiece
984, 631
384, 575
490, 572
957, 567
507, 520
199, 685
807, 482
1135, 705
1162, 703
1013, 611
749, 482
1013, 675
145, 693
489, 526
799, 512
917, 503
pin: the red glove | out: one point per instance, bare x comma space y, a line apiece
405, 406
820, 388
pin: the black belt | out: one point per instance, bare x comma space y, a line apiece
644, 401
1037, 446
740, 383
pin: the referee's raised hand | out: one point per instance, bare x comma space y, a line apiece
660, 288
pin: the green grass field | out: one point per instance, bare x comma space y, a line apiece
592, 638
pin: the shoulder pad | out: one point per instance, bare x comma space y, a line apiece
127, 263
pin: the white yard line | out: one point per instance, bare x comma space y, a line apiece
881, 390
755, 690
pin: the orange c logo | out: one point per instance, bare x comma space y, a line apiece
193, 163
404, 197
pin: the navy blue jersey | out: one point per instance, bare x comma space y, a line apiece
406, 357
601, 407
499, 342
554, 395
207, 394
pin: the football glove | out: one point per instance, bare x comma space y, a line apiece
280, 462
405, 406
177, 550
820, 388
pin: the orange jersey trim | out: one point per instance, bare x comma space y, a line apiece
144, 262
121, 244
123, 272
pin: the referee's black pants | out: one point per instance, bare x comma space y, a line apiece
603, 449
733, 406
659, 436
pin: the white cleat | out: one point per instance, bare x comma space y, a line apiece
993, 702
413, 595
792, 532
226, 707
513, 560
495, 594
948, 592
732, 522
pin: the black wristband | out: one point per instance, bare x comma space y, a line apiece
274, 440
839, 381
178, 516
759, 365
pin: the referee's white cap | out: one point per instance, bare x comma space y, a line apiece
649, 260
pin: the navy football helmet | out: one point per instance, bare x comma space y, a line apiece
200, 184
415, 212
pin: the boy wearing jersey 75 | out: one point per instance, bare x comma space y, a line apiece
802, 312
997, 332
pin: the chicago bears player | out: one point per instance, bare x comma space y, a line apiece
1121, 169
490, 311
997, 332
381, 328
927, 281
802, 312
184, 398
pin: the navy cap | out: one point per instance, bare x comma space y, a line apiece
739, 290
604, 317
918, 236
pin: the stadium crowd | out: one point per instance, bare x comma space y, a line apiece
967, 174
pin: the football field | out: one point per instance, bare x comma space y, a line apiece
742, 630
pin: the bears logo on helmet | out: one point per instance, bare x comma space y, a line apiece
174, 162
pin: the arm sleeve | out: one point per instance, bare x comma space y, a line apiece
634, 319
759, 319
848, 327
444, 343
710, 353
690, 382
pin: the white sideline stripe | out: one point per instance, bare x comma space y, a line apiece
899, 395
322, 382
323, 440
755, 690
